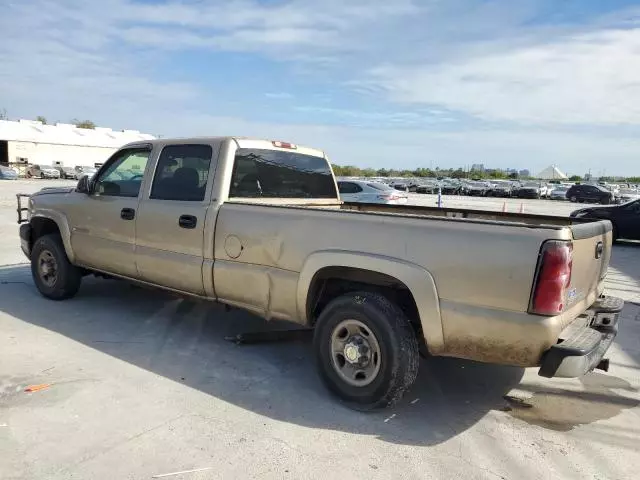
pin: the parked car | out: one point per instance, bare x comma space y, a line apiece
529, 190
87, 171
401, 186
67, 172
42, 171
7, 173
448, 187
427, 187
625, 218
375, 283
501, 189
479, 189
628, 194
590, 194
559, 193
370, 192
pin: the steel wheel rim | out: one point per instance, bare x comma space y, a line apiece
47, 268
355, 353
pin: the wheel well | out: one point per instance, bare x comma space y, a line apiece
331, 282
42, 226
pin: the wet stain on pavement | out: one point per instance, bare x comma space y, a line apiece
562, 409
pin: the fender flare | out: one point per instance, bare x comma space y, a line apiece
418, 280
63, 226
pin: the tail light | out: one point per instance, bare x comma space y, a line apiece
553, 278
284, 145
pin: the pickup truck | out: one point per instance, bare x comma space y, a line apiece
259, 225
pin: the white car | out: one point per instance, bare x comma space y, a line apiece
628, 194
42, 171
559, 193
370, 192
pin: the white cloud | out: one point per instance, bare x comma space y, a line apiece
589, 79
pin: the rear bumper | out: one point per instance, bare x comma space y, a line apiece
581, 349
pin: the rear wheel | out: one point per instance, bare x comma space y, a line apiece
366, 350
573, 199
55, 277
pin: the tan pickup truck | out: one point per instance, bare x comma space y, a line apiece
259, 225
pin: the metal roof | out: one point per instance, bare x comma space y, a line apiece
67, 134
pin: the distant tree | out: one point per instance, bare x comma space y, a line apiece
633, 180
513, 175
84, 124
459, 173
41, 119
368, 172
575, 178
606, 179
3, 114
382, 172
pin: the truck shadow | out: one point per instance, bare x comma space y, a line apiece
183, 340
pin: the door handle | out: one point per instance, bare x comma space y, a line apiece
127, 214
187, 221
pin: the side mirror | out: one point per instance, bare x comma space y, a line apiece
83, 185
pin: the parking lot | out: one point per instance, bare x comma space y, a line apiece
141, 384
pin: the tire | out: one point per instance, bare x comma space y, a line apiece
606, 201
388, 329
573, 199
66, 277
614, 234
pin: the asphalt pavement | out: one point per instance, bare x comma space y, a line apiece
138, 383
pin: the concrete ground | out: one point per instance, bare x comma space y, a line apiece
144, 384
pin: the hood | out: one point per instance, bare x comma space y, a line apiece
53, 190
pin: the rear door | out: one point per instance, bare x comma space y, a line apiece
171, 218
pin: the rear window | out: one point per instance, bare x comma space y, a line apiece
278, 174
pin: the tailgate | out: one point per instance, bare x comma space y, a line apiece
591, 254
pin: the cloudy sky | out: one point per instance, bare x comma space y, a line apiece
448, 83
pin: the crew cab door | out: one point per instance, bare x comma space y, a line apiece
103, 222
171, 219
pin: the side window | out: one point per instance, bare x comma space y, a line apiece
348, 187
182, 173
357, 188
123, 176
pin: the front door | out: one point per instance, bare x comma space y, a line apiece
103, 222
170, 225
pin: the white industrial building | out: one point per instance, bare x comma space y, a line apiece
30, 142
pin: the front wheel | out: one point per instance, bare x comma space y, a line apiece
55, 277
366, 350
